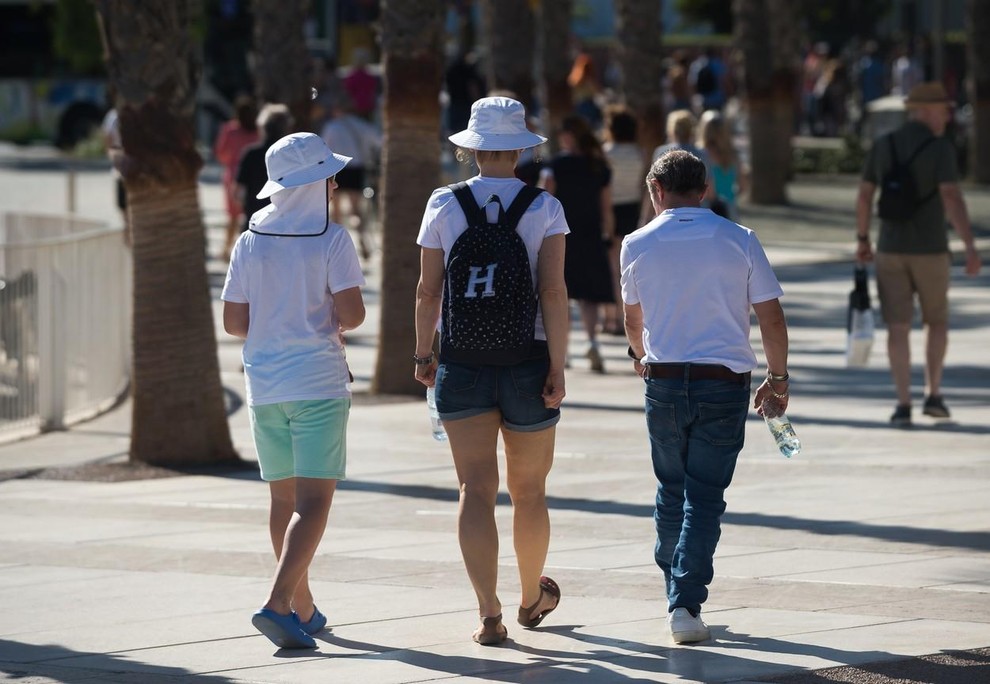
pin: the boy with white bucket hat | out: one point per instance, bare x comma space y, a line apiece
292, 289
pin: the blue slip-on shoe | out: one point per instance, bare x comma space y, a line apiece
315, 624
284, 631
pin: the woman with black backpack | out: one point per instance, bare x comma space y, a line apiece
492, 277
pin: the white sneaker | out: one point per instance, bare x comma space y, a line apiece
685, 628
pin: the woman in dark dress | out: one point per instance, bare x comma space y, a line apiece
579, 176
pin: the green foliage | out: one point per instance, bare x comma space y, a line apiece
830, 160
76, 37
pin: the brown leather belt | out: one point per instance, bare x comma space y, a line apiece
694, 371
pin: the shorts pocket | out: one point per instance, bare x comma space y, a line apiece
529, 377
454, 377
722, 424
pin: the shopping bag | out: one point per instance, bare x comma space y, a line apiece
859, 321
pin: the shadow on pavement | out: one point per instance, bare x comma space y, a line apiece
59, 664
947, 667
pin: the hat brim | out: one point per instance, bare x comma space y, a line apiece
320, 171
496, 142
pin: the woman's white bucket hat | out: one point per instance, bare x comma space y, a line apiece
299, 159
497, 123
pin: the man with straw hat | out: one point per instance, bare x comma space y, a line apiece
912, 256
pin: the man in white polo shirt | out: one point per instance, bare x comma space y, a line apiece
689, 279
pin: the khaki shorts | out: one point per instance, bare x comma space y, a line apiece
901, 276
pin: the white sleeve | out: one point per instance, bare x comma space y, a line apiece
627, 282
763, 285
344, 268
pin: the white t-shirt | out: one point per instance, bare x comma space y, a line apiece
628, 172
353, 137
443, 221
293, 350
696, 275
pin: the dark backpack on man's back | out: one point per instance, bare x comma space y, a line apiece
899, 197
489, 299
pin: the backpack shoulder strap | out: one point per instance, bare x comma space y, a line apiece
893, 150
922, 146
466, 199
520, 204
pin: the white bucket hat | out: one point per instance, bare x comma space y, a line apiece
497, 123
299, 159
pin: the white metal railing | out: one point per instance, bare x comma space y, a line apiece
65, 320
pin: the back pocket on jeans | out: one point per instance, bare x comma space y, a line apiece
722, 424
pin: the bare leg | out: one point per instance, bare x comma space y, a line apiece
283, 493
899, 353
528, 457
589, 318
305, 530
936, 344
473, 443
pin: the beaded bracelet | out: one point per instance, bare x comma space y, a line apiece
423, 360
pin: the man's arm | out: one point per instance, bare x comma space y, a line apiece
633, 321
773, 330
955, 211
864, 214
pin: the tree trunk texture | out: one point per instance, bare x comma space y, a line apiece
556, 59
178, 416
283, 67
511, 33
765, 34
638, 39
978, 46
413, 62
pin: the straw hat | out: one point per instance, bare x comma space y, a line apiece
299, 159
497, 123
928, 93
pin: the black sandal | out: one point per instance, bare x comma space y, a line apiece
546, 585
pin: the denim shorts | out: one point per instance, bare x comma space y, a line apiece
515, 391
301, 438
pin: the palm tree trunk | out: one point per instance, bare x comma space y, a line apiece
283, 70
638, 39
765, 33
978, 25
178, 414
412, 54
511, 39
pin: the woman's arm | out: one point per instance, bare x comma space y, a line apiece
556, 323
428, 300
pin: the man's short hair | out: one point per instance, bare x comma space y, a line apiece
678, 172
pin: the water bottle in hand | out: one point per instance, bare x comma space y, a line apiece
439, 433
781, 430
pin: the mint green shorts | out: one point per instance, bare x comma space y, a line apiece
301, 438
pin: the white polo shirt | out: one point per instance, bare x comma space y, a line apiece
696, 275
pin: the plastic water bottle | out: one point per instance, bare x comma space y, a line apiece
782, 432
439, 433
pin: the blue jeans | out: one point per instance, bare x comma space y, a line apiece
696, 431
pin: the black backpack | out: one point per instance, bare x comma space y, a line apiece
489, 299
899, 199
